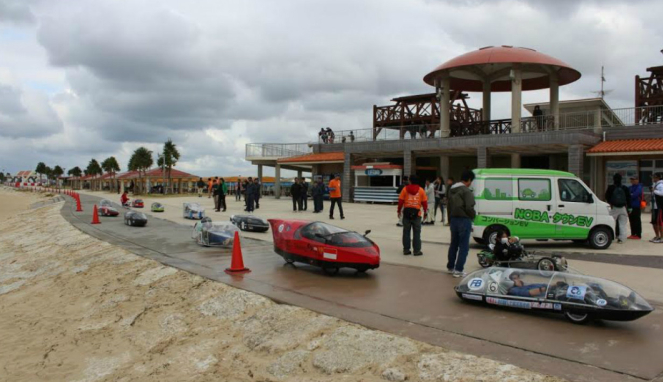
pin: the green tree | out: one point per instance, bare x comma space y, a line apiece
93, 168
76, 171
170, 157
110, 166
141, 160
2, 177
57, 173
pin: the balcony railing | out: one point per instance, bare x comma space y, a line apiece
276, 150
638, 116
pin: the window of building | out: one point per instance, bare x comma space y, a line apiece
498, 189
534, 189
571, 190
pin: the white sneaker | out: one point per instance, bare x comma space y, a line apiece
459, 274
656, 240
450, 271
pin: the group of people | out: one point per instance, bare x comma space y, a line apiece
327, 135
627, 203
217, 188
299, 194
459, 200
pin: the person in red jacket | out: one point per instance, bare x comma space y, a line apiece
124, 199
410, 203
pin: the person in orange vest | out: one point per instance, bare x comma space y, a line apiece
335, 196
210, 183
410, 203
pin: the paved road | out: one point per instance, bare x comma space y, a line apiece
410, 301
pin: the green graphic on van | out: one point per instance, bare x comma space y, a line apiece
557, 218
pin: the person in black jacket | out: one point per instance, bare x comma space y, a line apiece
296, 194
318, 193
257, 192
304, 193
249, 195
619, 198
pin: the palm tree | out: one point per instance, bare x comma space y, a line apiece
93, 169
141, 160
110, 166
170, 157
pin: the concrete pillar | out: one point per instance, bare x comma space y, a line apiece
347, 178
483, 157
409, 163
598, 128
444, 166
299, 173
445, 126
516, 98
277, 181
593, 180
260, 173
486, 101
315, 170
554, 99
515, 160
576, 157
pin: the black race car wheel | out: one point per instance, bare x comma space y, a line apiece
600, 238
483, 261
289, 260
330, 271
578, 318
545, 264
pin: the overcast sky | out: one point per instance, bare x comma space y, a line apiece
83, 79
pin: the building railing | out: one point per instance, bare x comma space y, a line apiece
597, 119
277, 150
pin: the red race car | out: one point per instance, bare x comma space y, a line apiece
107, 211
324, 245
138, 203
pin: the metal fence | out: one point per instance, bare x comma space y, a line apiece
277, 150
635, 116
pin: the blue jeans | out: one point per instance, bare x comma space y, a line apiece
461, 228
523, 291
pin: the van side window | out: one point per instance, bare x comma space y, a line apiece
498, 189
571, 190
534, 189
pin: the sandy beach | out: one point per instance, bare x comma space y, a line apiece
13, 202
73, 308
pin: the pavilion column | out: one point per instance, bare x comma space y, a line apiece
277, 181
483, 157
576, 157
299, 173
516, 98
554, 99
445, 127
486, 101
346, 187
444, 166
409, 163
515, 160
260, 173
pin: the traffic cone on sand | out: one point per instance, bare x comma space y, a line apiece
237, 263
95, 216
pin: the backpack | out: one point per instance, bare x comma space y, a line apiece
618, 197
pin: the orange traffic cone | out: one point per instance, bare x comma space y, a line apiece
95, 216
237, 263
78, 205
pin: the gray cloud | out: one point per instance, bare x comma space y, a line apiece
17, 11
26, 114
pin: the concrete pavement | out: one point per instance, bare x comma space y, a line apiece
414, 301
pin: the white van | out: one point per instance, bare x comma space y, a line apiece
539, 204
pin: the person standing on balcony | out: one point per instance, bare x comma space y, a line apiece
330, 135
323, 135
619, 198
411, 201
335, 196
634, 216
439, 197
538, 117
352, 137
461, 207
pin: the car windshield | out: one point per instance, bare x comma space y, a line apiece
105, 203
333, 235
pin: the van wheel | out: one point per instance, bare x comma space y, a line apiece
600, 238
479, 241
490, 234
